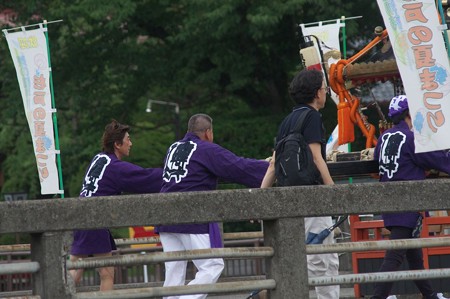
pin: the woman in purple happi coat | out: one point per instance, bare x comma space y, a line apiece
195, 163
395, 152
108, 175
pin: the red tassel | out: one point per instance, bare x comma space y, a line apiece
346, 128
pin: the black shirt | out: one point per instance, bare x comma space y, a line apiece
312, 130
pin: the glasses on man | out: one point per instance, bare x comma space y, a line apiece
327, 89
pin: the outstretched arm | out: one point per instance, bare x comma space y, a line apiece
226, 165
269, 177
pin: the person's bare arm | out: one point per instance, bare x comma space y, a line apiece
269, 177
320, 163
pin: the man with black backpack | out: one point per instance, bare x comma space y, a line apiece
299, 159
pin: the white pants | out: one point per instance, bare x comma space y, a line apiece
322, 264
209, 270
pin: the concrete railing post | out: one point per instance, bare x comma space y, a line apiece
288, 265
48, 249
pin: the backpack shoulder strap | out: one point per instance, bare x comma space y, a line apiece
300, 120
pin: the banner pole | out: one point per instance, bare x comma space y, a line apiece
55, 119
344, 54
344, 38
31, 25
330, 21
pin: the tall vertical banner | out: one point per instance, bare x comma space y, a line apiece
419, 48
30, 56
329, 41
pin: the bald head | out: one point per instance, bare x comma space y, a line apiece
199, 123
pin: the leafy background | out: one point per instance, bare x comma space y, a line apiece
232, 59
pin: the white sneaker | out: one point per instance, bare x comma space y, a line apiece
441, 296
394, 297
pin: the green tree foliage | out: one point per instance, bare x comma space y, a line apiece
232, 59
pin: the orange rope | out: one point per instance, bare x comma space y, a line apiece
348, 112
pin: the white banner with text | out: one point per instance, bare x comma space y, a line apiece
30, 56
416, 37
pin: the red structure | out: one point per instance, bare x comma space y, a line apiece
370, 261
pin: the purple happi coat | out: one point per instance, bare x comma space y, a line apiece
195, 165
398, 162
107, 175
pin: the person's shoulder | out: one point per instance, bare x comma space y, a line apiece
214, 151
398, 130
311, 111
403, 127
313, 116
209, 146
300, 110
407, 136
101, 158
100, 154
306, 110
121, 165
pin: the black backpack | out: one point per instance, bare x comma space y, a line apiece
294, 163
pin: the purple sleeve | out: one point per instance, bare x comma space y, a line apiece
135, 179
439, 160
226, 165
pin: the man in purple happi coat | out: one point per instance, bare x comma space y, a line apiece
107, 175
395, 152
195, 163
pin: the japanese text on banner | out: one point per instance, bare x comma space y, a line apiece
29, 53
421, 56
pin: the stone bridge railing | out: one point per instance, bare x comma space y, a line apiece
282, 210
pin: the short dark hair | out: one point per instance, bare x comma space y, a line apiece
199, 123
114, 132
398, 118
304, 86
